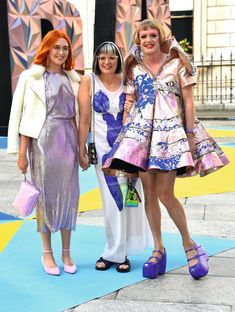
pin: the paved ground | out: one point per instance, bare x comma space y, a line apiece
211, 215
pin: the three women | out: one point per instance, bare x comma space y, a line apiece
161, 139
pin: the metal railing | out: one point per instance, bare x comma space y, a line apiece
215, 81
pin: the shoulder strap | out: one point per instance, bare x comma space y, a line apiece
92, 109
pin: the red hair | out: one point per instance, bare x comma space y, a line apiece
47, 43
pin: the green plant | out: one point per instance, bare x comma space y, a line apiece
185, 44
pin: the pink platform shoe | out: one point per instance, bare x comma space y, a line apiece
201, 268
71, 269
153, 269
50, 271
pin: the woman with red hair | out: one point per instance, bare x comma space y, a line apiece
42, 130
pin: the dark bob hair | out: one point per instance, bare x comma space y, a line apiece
107, 47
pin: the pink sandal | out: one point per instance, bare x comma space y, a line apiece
69, 268
51, 271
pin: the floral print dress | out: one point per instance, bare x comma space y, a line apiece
154, 135
127, 230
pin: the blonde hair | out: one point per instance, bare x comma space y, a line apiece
153, 24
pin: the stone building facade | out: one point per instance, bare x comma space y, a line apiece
214, 53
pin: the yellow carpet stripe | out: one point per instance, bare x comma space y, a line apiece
90, 200
7, 231
221, 133
218, 182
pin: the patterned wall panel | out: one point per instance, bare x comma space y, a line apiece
24, 22
160, 10
129, 14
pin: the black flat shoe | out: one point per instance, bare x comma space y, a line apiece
122, 270
107, 264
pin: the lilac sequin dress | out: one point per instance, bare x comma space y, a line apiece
154, 135
53, 158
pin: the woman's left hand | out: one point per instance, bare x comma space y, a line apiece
22, 163
84, 160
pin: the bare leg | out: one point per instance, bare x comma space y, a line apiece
153, 211
65, 237
48, 253
165, 190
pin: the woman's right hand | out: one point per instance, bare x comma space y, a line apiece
22, 163
191, 141
128, 105
84, 160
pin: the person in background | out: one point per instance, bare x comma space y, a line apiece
101, 99
162, 138
42, 129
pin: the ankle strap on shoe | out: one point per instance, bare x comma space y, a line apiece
193, 248
154, 257
47, 251
66, 250
196, 256
161, 252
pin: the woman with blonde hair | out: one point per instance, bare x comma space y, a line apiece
162, 138
42, 130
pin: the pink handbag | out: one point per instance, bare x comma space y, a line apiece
26, 198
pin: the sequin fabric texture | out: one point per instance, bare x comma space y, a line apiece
154, 135
53, 158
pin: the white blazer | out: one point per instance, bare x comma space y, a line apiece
28, 110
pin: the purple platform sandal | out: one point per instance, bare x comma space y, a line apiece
201, 268
152, 269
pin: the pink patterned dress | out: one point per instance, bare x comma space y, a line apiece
154, 135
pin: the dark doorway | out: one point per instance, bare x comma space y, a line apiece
182, 25
105, 21
5, 72
46, 26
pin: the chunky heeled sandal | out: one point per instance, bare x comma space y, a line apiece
69, 268
126, 263
107, 264
201, 268
50, 271
153, 269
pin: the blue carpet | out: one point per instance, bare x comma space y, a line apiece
231, 144
221, 127
3, 142
5, 216
25, 287
88, 180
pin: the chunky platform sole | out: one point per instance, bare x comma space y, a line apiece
201, 268
153, 269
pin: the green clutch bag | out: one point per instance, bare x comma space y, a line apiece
132, 196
